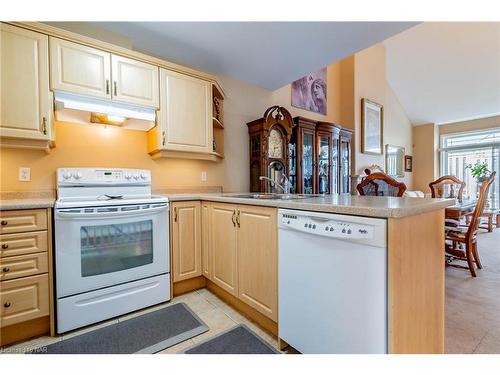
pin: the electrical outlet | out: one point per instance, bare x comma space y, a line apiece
24, 174
204, 176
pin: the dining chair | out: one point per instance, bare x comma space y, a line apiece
447, 187
468, 235
380, 184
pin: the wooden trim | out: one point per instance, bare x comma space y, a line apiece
416, 284
52, 308
24, 330
186, 286
28, 144
243, 308
157, 154
121, 51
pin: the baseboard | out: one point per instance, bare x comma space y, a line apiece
186, 286
25, 330
249, 312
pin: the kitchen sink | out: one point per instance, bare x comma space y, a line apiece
271, 196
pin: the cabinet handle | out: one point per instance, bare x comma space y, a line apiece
6, 269
4, 222
238, 219
175, 214
164, 139
6, 304
44, 126
233, 218
5, 246
114, 88
107, 87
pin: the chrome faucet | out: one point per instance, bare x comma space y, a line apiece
286, 183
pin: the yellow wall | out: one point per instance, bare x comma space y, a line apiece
471, 125
96, 146
425, 156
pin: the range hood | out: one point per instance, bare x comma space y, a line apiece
88, 110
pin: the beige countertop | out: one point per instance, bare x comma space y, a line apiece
339, 204
26, 203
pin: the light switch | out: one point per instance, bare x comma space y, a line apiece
204, 176
24, 174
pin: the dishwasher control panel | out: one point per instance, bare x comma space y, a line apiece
324, 226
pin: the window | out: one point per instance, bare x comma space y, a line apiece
462, 149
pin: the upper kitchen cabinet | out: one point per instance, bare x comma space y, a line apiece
25, 97
185, 118
90, 71
134, 82
79, 69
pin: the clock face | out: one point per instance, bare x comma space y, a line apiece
275, 144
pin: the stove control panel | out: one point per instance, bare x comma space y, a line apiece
102, 176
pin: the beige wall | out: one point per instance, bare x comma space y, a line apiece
398, 128
94, 145
471, 125
425, 156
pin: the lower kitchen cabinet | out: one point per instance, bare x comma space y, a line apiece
244, 254
258, 259
223, 246
186, 240
206, 268
25, 275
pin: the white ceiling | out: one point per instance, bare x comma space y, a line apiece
266, 54
446, 71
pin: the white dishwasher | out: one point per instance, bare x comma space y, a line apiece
332, 282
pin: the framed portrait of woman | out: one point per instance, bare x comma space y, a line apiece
309, 92
372, 125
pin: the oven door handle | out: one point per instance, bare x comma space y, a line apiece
114, 214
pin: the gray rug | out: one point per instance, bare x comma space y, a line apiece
238, 340
148, 333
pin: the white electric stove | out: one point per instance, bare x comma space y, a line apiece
111, 245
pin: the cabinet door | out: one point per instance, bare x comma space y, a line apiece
186, 240
79, 69
24, 88
258, 259
206, 268
308, 163
223, 247
134, 82
345, 165
185, 115
324, 163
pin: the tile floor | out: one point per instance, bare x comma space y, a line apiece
216, 314
472, 310
473, 303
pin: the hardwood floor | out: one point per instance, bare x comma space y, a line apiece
473, 304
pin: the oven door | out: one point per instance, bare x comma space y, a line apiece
97, 247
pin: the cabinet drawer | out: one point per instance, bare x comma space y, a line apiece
24, 299
22, 243
23, 265
23, 221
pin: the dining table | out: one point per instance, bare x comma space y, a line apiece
460, 208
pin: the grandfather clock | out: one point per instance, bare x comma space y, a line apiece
269, 141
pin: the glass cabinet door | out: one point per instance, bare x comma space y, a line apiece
324, 165
344, 166
335, 165
307, 163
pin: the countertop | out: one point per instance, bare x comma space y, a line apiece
26, 203
345, 204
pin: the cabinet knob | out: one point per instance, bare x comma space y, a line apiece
5, 246
4, 222
6, 304
6, 269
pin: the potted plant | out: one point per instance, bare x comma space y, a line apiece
479, 171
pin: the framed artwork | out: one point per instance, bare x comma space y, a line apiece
372, 125
309, 92
408, 163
